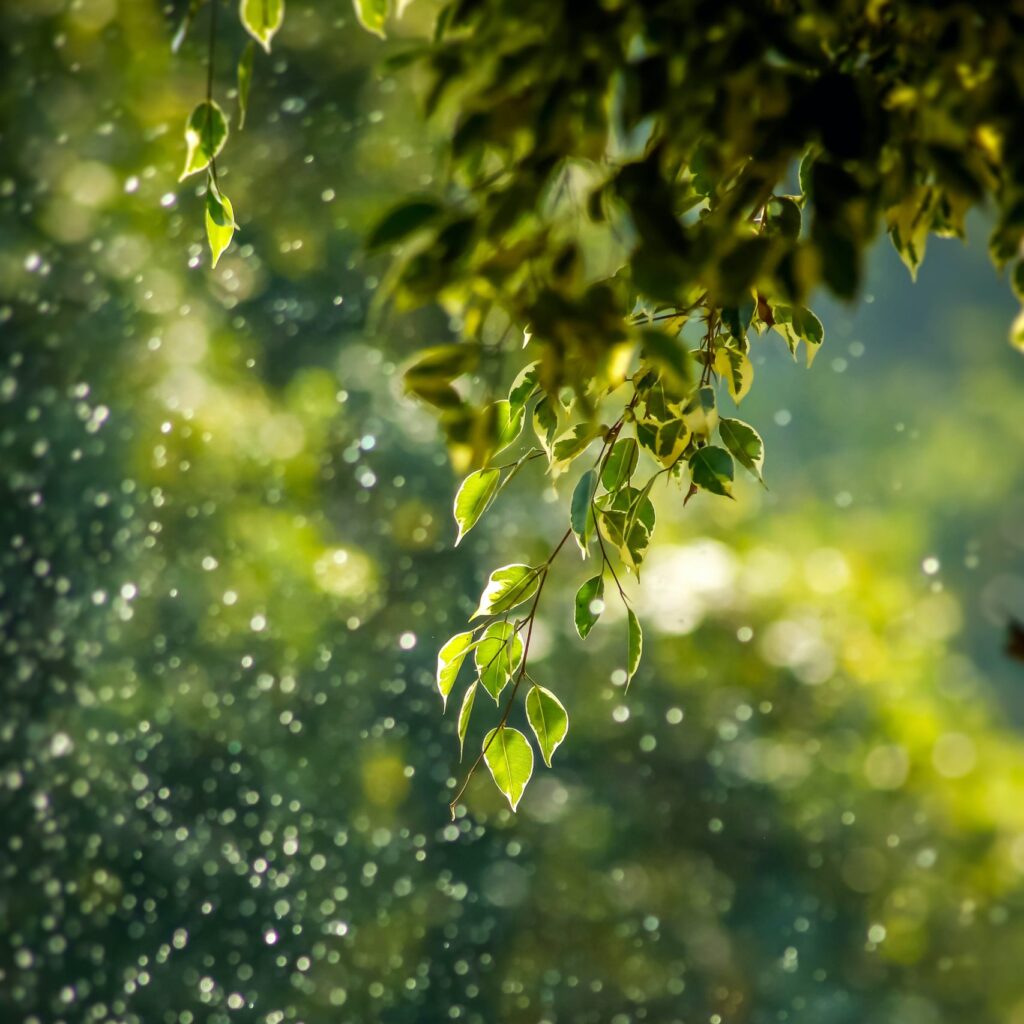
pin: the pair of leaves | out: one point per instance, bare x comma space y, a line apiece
711, 467
497, 655
507, 752
206, 131
796, 324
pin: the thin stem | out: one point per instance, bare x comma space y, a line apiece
211, 54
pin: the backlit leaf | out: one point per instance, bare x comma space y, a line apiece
220, 222
589, 605
206, 131
508, 424
574, 441
507, 587
736, 369
473, 499
262, 19
523, 387
545, 423
509, 758
449, 661
498, 656
372, 15
548, 719
464, 712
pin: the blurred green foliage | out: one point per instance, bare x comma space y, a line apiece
226, 557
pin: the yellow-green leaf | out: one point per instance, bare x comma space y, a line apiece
507, 587
548, 719
220, 222
449, 661
372, 15
473, 498
737, 370
464, 712
206, 131
262, 19
498, 656
509, 758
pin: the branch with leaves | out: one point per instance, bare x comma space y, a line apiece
640, 193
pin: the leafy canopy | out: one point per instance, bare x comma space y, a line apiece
637, 193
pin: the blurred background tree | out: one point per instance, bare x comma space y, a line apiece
227, 566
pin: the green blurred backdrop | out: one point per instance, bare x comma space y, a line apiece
225, 541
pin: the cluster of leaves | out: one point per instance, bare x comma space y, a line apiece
639, 191
207, 127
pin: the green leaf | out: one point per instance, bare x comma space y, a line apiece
262, 19
671, 441
701, 412
523, 387
621, 463
509, 757
798, 323
589, 605
206, 131
711, 468
507, 587
744, 443
449, 661
464, 712
909, 225
497, 656
575, 441
372, 15
508, 424
581, 517
220, 222
403, 220
473, 499
245, 81
737, 370
634, 645
548, 719
545, 423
